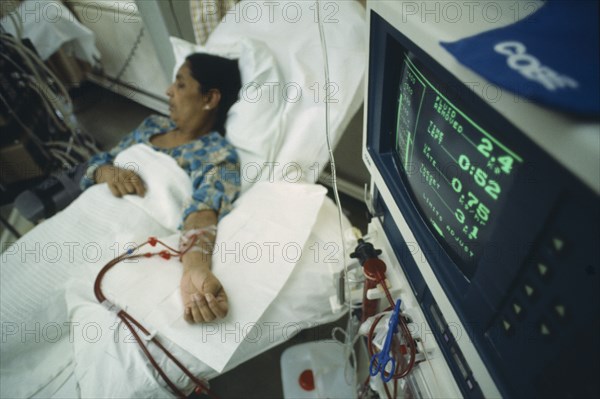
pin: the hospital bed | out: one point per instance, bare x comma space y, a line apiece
275, 252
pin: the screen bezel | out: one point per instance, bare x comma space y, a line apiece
486, 289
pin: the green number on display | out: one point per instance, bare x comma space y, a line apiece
506, 162
463, 162
460, 216
473, 234
483, 212
493, 189
456, 185
473, 200
485, 147
480, 177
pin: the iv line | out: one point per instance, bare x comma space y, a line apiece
349, 338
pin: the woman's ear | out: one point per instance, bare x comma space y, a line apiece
213, 98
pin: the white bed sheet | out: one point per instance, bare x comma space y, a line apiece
51, 320
303, 302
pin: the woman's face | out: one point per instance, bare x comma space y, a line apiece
185, 99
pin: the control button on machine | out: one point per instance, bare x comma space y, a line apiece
557, 244
518, 309
507, 326
543, 270
560, 311
544, 329
529, 290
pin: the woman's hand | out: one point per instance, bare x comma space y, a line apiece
203, 295
120, 181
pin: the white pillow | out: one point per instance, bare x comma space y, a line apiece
290, 31
253, 123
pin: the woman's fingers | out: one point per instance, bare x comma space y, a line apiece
187, 314
122, 189
134, 183
195, 312
202, 304
218, 308
204, 308
199, 311
138, 185
114, 189
129, 188
126, 182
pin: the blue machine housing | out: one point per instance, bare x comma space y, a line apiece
532, 306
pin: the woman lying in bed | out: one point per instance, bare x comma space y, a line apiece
206, 86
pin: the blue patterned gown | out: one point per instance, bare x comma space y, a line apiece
211, 162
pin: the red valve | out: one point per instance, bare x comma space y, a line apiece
403, 349
165, 254
374, 269
152, 241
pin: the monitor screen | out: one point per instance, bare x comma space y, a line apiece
459, 174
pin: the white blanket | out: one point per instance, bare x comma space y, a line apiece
39, 334
257, 247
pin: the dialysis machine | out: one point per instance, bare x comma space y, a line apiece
487, 212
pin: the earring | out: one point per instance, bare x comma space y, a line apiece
206, 107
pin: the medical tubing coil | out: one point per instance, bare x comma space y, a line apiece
130, 321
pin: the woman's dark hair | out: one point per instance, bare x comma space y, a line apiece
214, 72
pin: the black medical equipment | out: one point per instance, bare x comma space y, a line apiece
508, 232
36, 114
51, 195
22, 119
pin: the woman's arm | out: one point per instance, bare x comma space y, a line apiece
214, 190
203, 296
